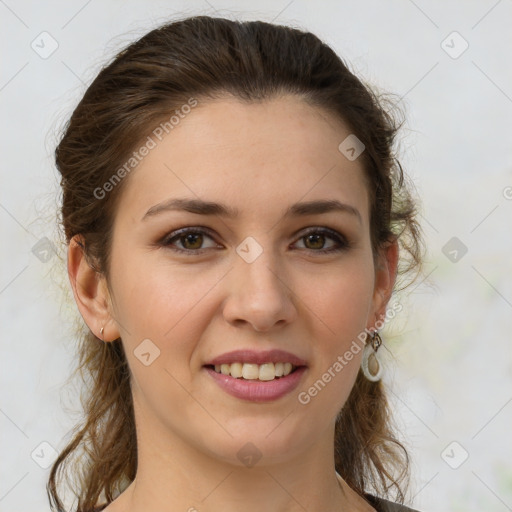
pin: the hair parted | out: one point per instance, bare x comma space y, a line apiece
205, 58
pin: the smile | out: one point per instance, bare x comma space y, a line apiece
251, 371
257, 376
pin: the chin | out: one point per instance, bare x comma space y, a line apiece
261, 441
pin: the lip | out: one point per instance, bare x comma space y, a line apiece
257, 357
256, 390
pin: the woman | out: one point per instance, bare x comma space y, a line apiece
235, 219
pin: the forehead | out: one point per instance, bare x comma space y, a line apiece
249, 154
286, 126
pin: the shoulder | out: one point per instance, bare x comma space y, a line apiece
383, 505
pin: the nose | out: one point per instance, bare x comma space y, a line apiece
259, 294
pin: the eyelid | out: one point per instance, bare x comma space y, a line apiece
339, 238
176, 233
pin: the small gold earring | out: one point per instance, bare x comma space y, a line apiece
101, 334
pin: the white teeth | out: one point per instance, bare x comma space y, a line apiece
251, 371
267, 372
235, 370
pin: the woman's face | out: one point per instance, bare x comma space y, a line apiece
255, 281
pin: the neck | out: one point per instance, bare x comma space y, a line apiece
177, 472
183, 479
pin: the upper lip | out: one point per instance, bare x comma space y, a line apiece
256, 357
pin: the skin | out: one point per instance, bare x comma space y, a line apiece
259, 158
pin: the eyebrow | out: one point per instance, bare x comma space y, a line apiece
201, 207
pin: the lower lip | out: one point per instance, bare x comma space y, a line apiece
257, 390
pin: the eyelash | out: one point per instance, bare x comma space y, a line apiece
341, 241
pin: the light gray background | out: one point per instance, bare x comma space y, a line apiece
451, 377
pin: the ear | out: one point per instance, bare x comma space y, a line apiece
385, 277
91, 293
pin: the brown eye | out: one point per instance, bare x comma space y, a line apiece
316, 239
191, 240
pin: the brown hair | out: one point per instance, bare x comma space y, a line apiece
204, 57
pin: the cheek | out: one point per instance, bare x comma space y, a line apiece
150, 299
340, 300
339, 308
167, 303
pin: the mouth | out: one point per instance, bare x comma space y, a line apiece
251, 371
257, 376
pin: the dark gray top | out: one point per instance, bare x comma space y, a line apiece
382, 505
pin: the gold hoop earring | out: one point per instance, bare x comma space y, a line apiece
101, 334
